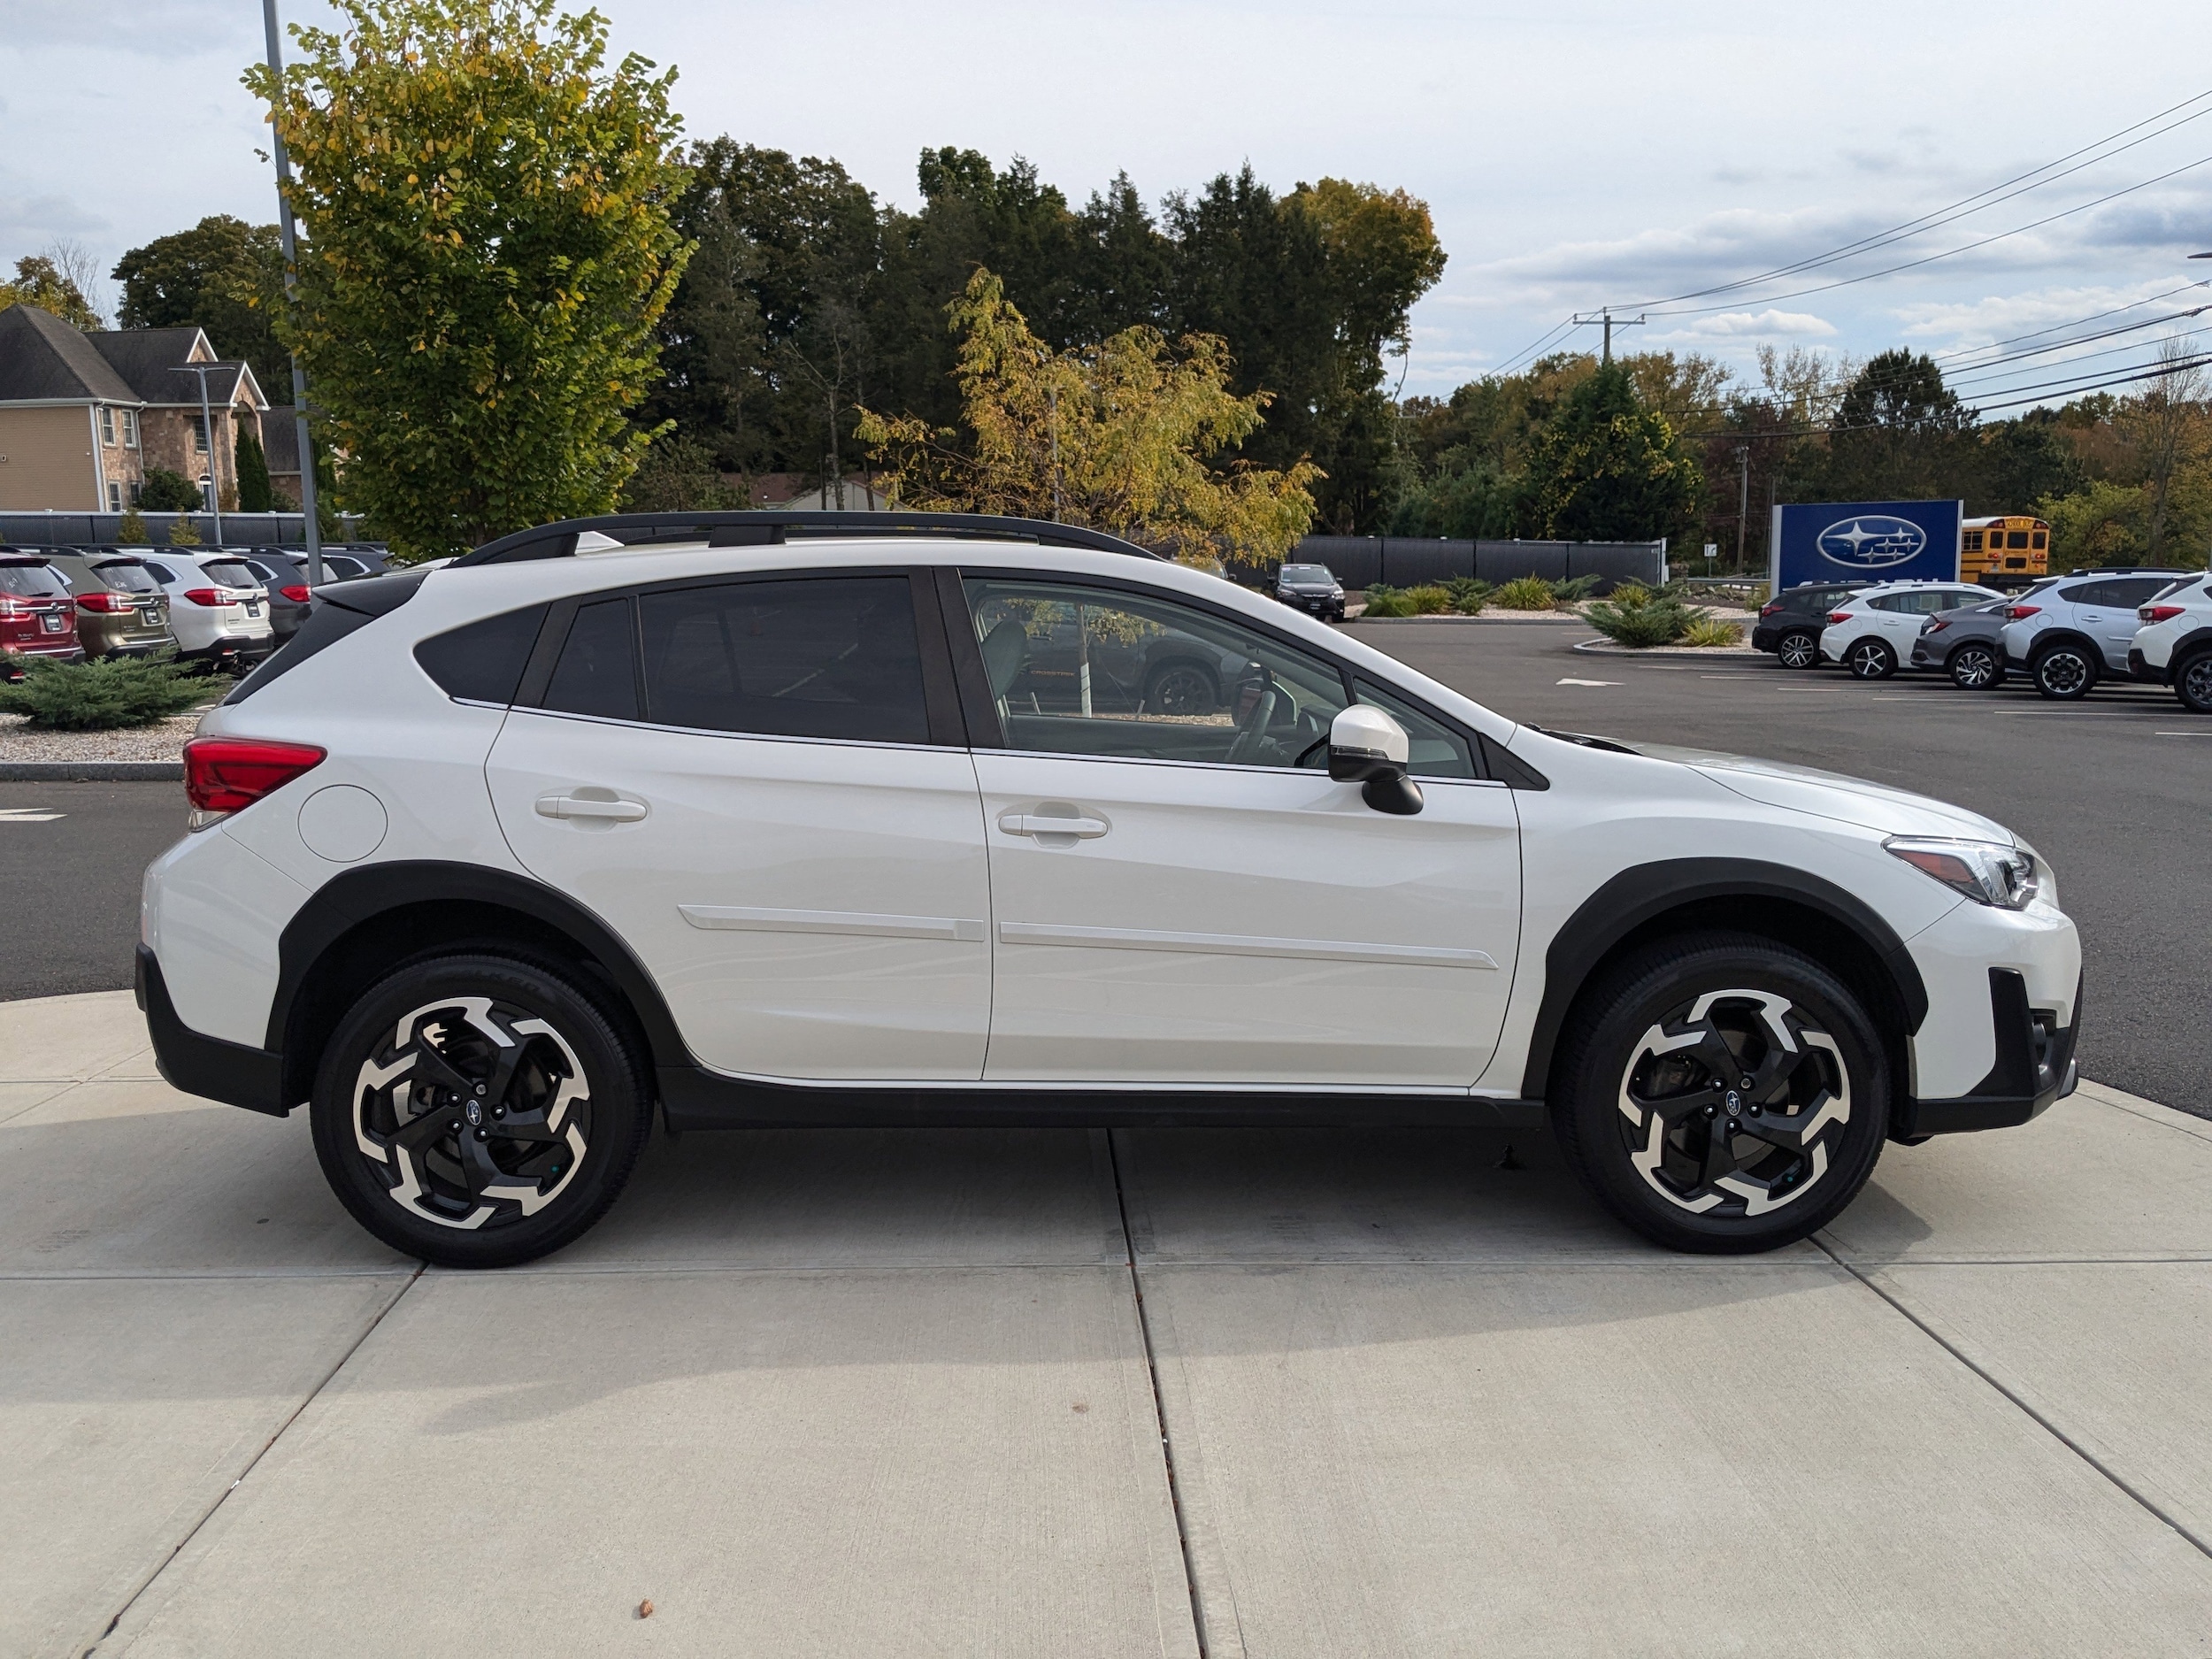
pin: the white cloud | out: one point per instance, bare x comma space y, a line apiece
1760, 325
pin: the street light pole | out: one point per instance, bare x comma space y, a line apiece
291, 292
207, 431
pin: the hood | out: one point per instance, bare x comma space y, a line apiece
1832, 795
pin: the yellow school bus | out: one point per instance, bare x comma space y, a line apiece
2006, 552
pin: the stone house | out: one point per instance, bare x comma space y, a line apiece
83, 416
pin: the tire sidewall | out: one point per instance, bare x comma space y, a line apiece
1608, 1027
2182, 671
2037, 670
1882, 661
620, 1108
1811, 653
1967, 653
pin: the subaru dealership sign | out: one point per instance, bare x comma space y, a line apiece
1864, 540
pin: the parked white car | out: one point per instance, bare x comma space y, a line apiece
218, 608
931, 828
2173, 644
2069, 633
1873, 631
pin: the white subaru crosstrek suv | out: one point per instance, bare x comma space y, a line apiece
218, 608
913, 819
2173, 644
1872, 631
2070, 633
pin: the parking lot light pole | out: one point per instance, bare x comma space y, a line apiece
291, 292
207, 432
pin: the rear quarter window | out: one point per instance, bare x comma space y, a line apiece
482, 662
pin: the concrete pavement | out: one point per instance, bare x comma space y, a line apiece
834, 1392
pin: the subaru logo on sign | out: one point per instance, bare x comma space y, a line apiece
1872, 541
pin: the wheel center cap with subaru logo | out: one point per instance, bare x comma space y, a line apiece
475, 1113
1872, 542
1735, 1104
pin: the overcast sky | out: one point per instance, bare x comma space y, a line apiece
1576, 153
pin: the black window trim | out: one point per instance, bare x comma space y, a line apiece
982, 708
941, 702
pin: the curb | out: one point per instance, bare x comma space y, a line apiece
1537, 617
91, 772
1607, 648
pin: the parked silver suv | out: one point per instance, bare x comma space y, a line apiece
2073, 632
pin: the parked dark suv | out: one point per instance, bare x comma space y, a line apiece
1790, 623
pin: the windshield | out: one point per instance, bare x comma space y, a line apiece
31, 581
230, 573
1307, 573
129, 579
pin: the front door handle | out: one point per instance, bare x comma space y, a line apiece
1032, 823
602, 806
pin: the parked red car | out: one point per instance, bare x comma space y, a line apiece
38, 613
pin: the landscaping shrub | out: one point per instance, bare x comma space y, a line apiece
1712, 631
1469, 595
1523, 592
183, 532
165, 491
1430, 599
1383, 600
103, 693
1574, 592
1640, 616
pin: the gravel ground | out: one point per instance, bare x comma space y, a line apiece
163, 741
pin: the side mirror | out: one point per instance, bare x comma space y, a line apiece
1367, 747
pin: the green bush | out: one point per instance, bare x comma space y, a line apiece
1574, 592
103, 693
1431, 599
1383, 600
1523, 592
1640, 616
1712, 631
1469, 595
165, 491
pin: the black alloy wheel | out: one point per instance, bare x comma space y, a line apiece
1722, 1094
1182, 689
478, 1111
2193, 683
1869, 659
1799, 647
1977, 667
2063, 672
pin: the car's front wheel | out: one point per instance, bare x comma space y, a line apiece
1719, 1093
1977, 667
1799, 647
1181, 689
1869, 659
2193, 683
479, 1111
2063, 672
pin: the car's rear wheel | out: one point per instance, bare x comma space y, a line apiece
479, 1111
1869, 659
1181, 688
1719, 1093
2063, 671
2193, 683
1799, 647
1977, 667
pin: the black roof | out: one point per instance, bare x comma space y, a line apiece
42, 356
148, 360
758, 529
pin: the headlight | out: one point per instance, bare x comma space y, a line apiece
1988, 872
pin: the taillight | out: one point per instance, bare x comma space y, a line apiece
13, 609
222, 774
1770, 607
2149, 613
1936, 624
296, 592
1839, 616
2021, 613
207, 596
106, 603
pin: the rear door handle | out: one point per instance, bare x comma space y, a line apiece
606, 807
1030, 824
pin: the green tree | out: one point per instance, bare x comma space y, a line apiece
1607, 469
1901, 434
39, 281
678, 474
2026, 460
130, 529
164, 491
223, 275
253, 494
489, 249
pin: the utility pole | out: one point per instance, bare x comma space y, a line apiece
291, 293
207, 433
1605, 318
1743, 498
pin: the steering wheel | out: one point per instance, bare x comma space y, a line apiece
1253, 735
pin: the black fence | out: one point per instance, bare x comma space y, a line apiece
1360, 561
100, 529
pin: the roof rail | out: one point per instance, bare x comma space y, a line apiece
765, 528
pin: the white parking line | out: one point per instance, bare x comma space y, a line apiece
1589, 682
29, 815
2181, 734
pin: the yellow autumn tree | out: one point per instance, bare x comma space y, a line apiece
1117, 436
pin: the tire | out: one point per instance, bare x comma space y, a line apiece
1798, 648
2063, 672
1181, 688
540, 1158
1977, 667
1637, 1107
2193, 683
1869, 659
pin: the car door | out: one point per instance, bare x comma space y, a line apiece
751, 780
1181, 896
2114, 617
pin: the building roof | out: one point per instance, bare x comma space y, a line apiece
149, 361
42, 357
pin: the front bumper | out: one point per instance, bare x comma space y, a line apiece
2034, 1066
1315, 604
227, 1072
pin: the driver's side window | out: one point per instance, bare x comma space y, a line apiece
1126, 676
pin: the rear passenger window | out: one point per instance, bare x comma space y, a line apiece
483, 662
597, 669
826, 657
